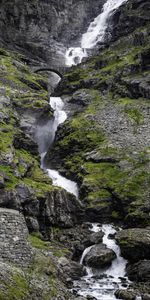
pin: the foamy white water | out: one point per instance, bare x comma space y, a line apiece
118, 267
94, 34
59, 114
107, 280
59, 117
75, 55
97, 29
58, 180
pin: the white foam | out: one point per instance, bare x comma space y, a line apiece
109, 281
59, 117
58, 180
97, 29
94, 34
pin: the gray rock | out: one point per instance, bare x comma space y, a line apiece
134, 243
94, 238
2, 184
99, 256
146, 297
41, 29
61, 209
125, 294
139, 271
71, 269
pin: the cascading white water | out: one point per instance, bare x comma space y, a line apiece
59, 117
108, 280
95, 33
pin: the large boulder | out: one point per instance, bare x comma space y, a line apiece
134, 243
139, 271
71, 269
93, 238
60, 208
99, 256
125, 294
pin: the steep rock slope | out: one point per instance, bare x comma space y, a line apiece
29, 267
44, 29
105, 146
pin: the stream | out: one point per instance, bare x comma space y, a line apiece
100, 284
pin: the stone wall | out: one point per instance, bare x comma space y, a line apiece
14, 247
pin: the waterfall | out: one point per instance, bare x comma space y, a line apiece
59, 117
95, 33
100, 284
107, 280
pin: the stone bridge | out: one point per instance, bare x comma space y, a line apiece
60, 71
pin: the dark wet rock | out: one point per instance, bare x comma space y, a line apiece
88, 297
72, 238
146, 297
71, 269
28, 200
2, 184
94, 238
9, 199
99, 256
32, 224
61, 209
81, 97
125, 294
100, 211
23, 141
128, 18
61, 23
99, 157
138, 87
139, 271
134, 243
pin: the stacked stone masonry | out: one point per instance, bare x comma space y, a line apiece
14, 247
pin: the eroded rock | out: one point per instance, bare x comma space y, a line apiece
99, 256
134, 243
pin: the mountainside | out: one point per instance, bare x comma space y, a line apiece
104, 146
43, 30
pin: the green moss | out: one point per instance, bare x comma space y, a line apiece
17, 289
115, 214
36, 242
135, 115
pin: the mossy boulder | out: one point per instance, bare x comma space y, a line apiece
134, 243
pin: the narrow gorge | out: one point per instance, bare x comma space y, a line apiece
74, 152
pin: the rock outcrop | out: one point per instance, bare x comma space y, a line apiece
99, 257
104, 145
43, 30
134, 243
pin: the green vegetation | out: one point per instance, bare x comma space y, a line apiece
117, 78
17, 289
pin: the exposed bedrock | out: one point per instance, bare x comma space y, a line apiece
42, 30
104, 145
134, 243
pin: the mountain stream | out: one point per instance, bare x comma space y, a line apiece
99, 284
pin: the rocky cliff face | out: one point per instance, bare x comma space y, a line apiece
104, 145
44, 29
